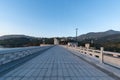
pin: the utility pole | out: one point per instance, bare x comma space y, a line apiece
76, 33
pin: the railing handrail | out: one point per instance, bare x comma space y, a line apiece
10, 56
103, 56
108, 52
105, 52
19, 50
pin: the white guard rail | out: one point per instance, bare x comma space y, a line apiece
7, 56
111, 58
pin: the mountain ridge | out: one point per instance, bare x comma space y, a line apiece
90, 35
97, 35
14, 36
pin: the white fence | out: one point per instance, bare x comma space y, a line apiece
13, 55
111, 58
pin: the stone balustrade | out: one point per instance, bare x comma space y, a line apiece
8, 56
111, 58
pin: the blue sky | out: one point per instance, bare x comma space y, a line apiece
50, 18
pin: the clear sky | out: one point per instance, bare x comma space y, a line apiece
50, 18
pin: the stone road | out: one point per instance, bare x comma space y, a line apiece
56, 64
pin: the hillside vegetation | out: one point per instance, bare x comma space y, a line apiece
23, 41
110, 42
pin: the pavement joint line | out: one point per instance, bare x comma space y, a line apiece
19, 62
57, 58
111, 74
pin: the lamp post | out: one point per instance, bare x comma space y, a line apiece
76, 33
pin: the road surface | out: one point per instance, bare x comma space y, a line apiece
56, 64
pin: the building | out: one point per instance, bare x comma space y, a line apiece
56, 41
72, 44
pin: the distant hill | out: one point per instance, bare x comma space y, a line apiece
18, 41
97, 35
23, 41
14, 36
110, 40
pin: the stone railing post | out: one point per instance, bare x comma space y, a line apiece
101, 54
84, 50
87, 46
93, 51
80, 48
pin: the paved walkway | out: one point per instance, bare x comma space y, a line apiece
56, 64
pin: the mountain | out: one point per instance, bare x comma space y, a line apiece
97, 35
14, 36
19, 41
110, 38
23, 41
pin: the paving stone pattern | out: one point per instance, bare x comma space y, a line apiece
56, 64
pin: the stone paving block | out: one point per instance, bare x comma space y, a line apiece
56, 64
17, 78
39, 78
